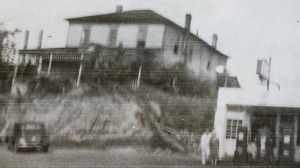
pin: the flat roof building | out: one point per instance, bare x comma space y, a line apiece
271, 119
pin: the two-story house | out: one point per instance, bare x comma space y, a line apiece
167, 42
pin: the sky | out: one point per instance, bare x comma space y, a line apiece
247, 29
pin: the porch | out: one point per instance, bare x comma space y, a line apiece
271, 118
272, 132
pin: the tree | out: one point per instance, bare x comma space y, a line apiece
7, 51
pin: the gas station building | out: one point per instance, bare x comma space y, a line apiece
270, 118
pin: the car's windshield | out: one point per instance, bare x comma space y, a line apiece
31, 128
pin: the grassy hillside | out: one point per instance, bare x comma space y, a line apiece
107, 113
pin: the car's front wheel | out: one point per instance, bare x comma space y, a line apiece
16, 149
45, 148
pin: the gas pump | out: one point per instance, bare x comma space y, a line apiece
265, 144
240, 154
286, 150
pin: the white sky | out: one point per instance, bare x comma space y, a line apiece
247, 29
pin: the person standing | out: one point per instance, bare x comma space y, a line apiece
214, 148
204, 144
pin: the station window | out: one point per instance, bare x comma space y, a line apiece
232, 127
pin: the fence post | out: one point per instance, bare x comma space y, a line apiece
40, 65
80, 70
50, 62
139, 77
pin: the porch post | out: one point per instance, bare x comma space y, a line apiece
15, 71
50, 62
139, 77
40, 65
249, 127
26, 59
277, 132
295, 135
80, 69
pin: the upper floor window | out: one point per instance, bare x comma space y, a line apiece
141, 41
86, 35
112, 37
176, 47
208, 65
191, 53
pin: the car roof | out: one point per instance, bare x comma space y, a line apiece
29, 122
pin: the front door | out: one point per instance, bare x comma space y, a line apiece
286, 149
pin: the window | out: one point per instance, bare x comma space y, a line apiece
141, 41
176, 47
191, 53
86, 35
232, 127
112, 37
208, 65
175, 51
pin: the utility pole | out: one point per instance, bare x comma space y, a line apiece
269, 74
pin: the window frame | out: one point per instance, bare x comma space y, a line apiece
208, 65
232, 132
112, 38
86, 35
176, 47
142, 36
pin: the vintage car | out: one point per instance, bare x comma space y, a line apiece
28, 135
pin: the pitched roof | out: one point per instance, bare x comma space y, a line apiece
135, 16
132, 16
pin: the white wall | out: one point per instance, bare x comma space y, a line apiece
170, 39
220, 122
127, 34
99, 34
74, 35
201, 54
155, 36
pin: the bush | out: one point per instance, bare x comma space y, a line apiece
45, 84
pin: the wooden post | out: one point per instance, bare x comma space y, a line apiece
26, 59
15, 72
39, 70
80, 70
50, 62
277, 134
269, 74
139, 77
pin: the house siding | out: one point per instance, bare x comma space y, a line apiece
172, 36
74, 35
199, 54
126, 33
